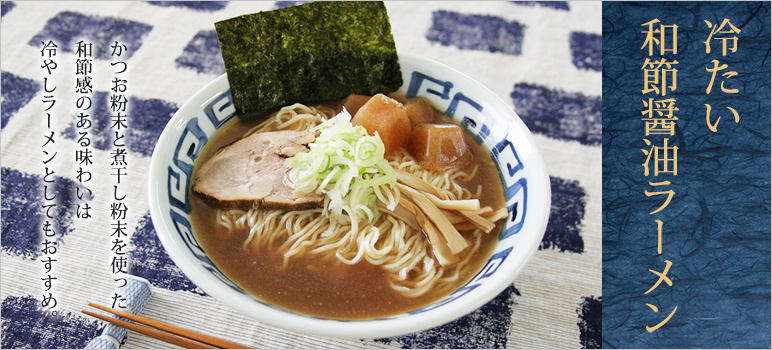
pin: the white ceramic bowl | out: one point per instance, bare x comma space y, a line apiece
522, 169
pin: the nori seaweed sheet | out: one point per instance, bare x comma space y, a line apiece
309, 53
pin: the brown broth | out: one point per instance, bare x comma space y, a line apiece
326, 287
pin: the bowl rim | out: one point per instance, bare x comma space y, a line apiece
375, 328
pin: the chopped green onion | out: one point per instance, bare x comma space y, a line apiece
348, 166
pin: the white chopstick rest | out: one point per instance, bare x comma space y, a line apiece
103, 342
134, 295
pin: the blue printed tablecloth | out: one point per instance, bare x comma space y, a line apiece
542, 58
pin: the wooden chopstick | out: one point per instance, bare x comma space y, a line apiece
176, 335
153, 333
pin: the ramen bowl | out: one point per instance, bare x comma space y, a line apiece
489, 121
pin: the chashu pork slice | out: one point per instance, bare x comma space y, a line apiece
250, 173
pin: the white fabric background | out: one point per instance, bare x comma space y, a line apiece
551, 287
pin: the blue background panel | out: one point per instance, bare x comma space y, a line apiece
716, 229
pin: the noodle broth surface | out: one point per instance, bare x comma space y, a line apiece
323, 286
